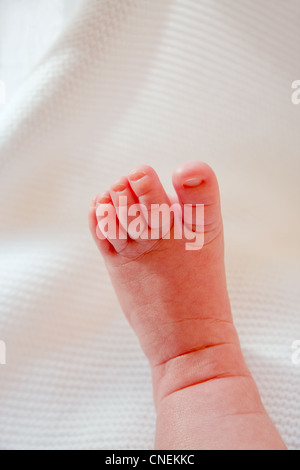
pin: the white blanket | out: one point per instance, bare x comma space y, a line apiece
130, 82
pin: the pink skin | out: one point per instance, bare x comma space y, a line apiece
177, 303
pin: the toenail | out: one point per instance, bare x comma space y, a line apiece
103, 199
118, 187
192, 182
136, 175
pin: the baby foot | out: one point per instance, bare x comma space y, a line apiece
177, 303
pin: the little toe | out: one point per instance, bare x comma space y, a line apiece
101, 241
108, 225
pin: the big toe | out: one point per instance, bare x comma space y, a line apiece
196, 184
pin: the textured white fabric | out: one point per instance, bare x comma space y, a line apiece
157, 82
27, 29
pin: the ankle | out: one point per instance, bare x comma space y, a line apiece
204, 364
